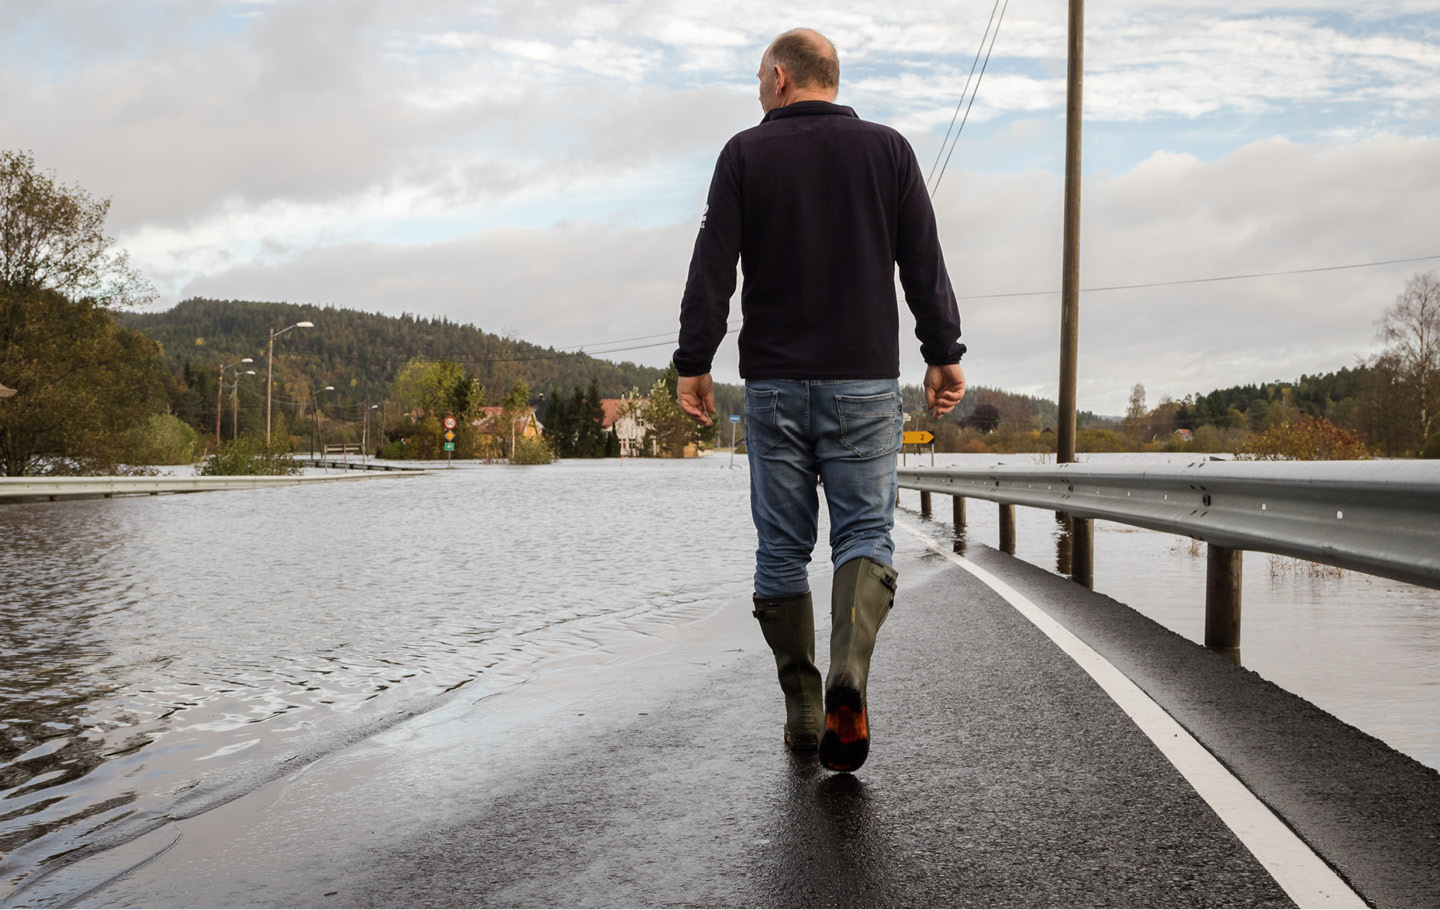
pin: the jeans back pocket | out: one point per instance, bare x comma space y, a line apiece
870, 424
762, 431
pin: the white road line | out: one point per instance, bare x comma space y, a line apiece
1303, 875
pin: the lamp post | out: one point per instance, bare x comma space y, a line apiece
315, 422
235, 406
219, 387
365, 434
270, 370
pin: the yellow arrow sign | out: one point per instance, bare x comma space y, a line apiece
918, 437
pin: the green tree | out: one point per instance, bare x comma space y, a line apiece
559, 424
985, 417
52, 237
81, 381
590, 424
670, 429
440, 388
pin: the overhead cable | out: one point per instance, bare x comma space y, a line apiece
1162, 284
963, 92
973, 93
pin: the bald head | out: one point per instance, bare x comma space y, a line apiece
809, 57
800, 65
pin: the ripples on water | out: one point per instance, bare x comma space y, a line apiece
163, 654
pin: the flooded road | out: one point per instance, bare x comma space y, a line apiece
160, 655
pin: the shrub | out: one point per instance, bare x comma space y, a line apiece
162, 439
1306, 439
1431, 448
249, 455
398, 450
529, 450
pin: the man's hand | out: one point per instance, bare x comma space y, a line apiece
944, 387
697, 397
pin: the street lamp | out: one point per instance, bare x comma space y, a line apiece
365, 433
315, 422
270, 370
219, 387
235, 406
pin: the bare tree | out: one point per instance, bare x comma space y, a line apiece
1134, 424
1410, 329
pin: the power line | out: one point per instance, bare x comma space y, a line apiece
963, 92
975, 92
668, 336
1163, 284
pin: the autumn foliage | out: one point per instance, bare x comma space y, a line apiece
1307, 439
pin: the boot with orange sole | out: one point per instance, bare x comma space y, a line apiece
861, 596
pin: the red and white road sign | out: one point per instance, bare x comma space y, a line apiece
449, 423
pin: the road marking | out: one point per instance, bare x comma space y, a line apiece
1303, 875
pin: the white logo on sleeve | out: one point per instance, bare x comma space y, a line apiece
703, 214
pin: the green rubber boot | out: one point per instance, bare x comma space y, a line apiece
789, 627
861, 596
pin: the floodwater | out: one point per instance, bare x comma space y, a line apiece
161, 655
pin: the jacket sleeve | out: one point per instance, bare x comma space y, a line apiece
922, 267
705, 307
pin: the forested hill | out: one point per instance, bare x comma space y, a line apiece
360, 354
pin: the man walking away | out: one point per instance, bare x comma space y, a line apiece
819, 207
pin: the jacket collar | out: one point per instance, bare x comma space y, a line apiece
810, 108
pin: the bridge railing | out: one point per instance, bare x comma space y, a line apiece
1377, 517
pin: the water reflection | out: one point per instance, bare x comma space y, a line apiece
1064, 544
826, 848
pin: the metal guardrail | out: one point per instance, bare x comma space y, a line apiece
1377, 517
57, 488
357, 465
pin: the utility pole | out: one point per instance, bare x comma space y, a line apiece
1070, 260
1077, 534
219, 388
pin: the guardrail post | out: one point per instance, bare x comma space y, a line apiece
1222, 600
1082, 558
924, 503
957, 515
1007, 527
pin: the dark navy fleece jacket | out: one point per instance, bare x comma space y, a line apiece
819, 207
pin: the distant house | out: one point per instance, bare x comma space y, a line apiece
1184, 434
495, 431
629, 428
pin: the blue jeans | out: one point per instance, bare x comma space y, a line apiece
845, 433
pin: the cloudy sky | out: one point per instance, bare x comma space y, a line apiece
538, 168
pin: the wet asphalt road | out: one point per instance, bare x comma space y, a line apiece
1000, 775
